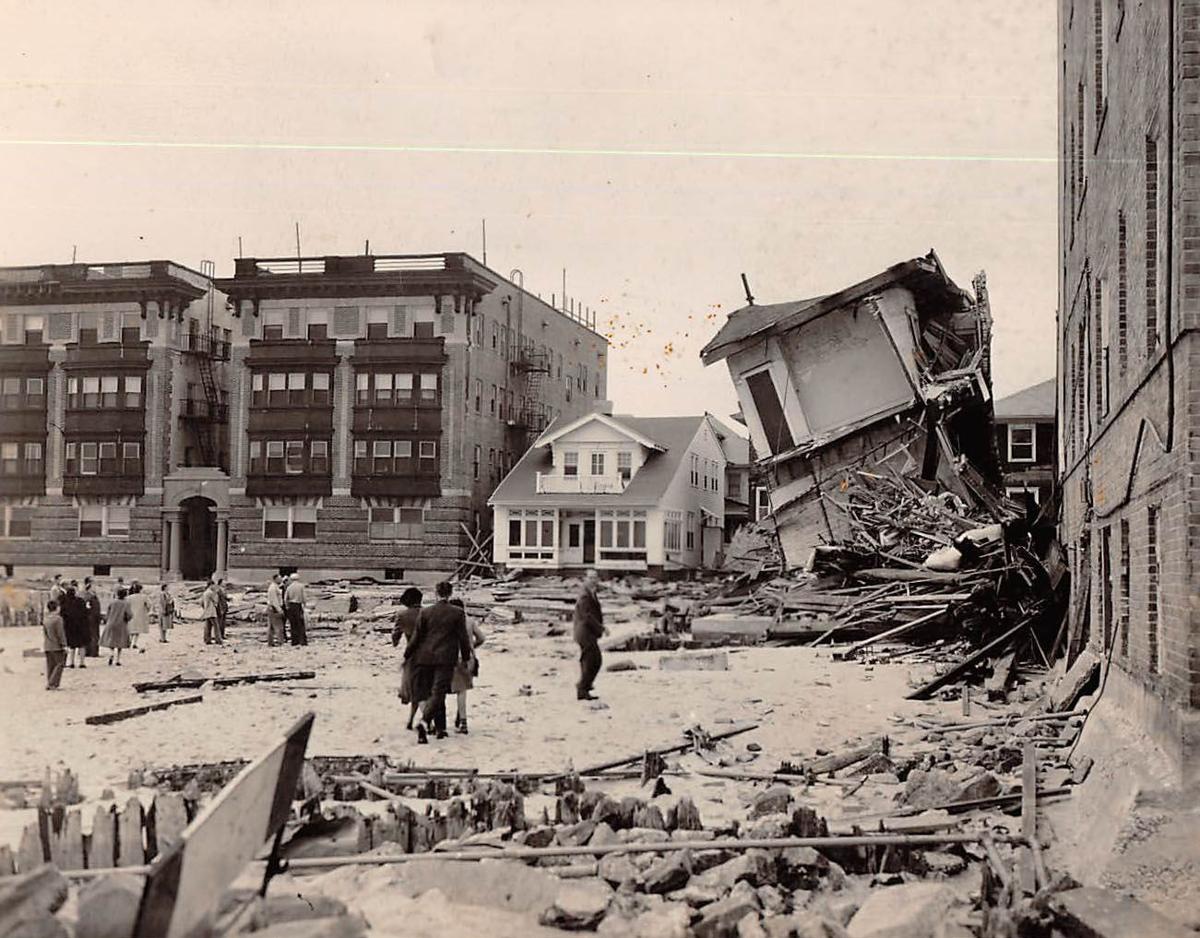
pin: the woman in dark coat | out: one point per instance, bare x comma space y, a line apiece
74, 616
91, 601
405, 626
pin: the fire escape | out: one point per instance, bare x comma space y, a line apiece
528, 417
205, 414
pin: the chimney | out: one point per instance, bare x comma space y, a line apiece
604, 407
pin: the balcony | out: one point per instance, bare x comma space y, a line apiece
550, 483
194, 408
30, 483
207, 346
393, 486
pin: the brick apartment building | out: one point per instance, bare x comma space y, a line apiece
1129, 367
110, 390
332, 414
376, 401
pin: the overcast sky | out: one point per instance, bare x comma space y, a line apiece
656, 150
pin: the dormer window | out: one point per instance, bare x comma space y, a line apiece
597, 464
625, 465
570, 464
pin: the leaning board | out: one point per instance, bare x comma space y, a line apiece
186, 884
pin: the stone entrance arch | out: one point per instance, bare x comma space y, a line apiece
196, 523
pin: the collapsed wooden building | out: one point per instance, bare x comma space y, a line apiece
892, 374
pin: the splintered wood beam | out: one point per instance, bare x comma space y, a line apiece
1028, 818
115, 716
184, 683
967, 665
661, 750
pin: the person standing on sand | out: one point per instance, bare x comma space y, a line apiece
276, 634
440, 640
293, 604
222, 607
56, 588
405, 626
465, 673
589, 628
116, 626
91, 602
54, 644
74, 615
139, 615
208, 604
166, 612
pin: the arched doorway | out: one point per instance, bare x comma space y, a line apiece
198, 537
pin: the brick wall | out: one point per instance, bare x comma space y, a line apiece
1125, 469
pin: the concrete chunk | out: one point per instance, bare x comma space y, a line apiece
579, 905
913, 910
1089, 912
695, 661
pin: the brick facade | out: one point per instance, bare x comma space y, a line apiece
1129, 371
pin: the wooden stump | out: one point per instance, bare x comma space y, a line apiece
66, 843
102, 848
131, 850
8, 861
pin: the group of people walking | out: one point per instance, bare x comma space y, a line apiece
439, 659
77, 625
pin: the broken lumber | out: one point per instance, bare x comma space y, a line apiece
115, 716
967, 665
832, 763
660, 750
186, 683
890, 633
1007, 721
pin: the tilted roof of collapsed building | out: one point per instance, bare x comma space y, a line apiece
923, 276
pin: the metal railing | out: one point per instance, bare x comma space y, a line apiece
377, 263
197, 343
197, 408
550, 483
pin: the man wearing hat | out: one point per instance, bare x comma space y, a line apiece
293, 607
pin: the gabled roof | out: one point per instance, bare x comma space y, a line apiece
672, 434
924, 276
620, 424
735, 446
1035, 401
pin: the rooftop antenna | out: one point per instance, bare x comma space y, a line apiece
298, 255
483, 223
746, 286
564, 292
367, 247
73, 247
239, 245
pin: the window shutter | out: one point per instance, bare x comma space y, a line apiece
12, 328
345, 321
108, 327
293, 323
400, 321
58, 327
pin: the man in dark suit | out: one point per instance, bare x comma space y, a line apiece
589, 628
440, 638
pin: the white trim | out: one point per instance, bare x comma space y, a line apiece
1016, 491
547, 438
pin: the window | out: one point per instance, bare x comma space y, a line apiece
691, 530
673, 531
381, 453
108, 458
383, 388
362, 387
295, 388
319, 457
34, 459
1122, 297
89, 459
258, 395
131, 459
597, 464
133, 391
377, 330
428, 384
1103, 337
277, 394
423, 329
10, 458
256, 464
16, 521
1153, 592
35, 392
397, 524
290, 522
492, 402
12, 393
767, 406
428, 455
362, 462
295, 457
402, 452
478, 396
320, 387
475, 463
1151, 245
275, 458
404, 386
694, 472
531, 532
317, 331
1123, 591
104, 520
622, 535
625, 465
109, 391
1100, 50
570, 463
1022, 442
1020, 492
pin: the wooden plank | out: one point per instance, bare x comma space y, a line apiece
131, 849
1028, 818
115, 716
170, 818
66, 844
662, 750
30, 854
965, 666
190, 683
890, 633
102, 848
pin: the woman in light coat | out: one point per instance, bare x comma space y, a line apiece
139, 611
116, 626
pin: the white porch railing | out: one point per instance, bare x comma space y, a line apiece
549, 483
